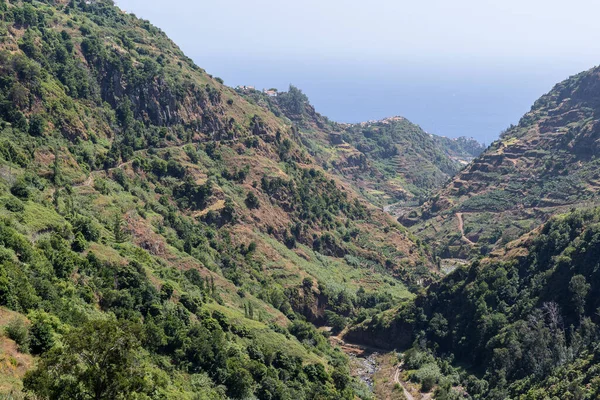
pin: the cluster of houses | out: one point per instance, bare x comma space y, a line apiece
386, 121
268, 92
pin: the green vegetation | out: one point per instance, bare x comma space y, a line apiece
157, 240
162, 236
400, 148
517, 327
387, 161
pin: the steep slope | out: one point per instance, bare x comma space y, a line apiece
148, 207
545, 164
522, 323
387, 161
409, 157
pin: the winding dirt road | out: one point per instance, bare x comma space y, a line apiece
461, 228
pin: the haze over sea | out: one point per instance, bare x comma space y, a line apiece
462, 68
451, 102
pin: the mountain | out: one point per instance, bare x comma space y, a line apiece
544, 165
520, 320
149, 208
387, 161
409, 157
522, 323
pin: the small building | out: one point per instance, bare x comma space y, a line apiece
244, 88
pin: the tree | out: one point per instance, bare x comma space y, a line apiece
293, 100
42, 336
252, 200
79, 243
579, 287
99, 361
307, 283
118, 230
239, 381
20, 189
37, 125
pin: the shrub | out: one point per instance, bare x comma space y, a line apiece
15, 205
252, 200
42, 337
18, 331
87, 228
79, 243
428, 375
37, 125
20, 189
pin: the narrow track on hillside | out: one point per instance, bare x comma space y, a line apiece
461, 228
397, 380
406, 392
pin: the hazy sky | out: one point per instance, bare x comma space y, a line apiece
461, 67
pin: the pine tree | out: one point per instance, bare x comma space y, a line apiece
56, 173
118, 230
56, 178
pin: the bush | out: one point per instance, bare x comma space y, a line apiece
42, 337
252, 201
18, 331
87, 227
79, 243
414, 358
15, 205
20, 189
428, 375
37, 125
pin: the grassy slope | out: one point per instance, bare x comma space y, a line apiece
129, 123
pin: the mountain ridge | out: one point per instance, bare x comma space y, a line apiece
382, 166
145, 203
542, 166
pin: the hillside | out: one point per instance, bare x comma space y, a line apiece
145, 206
387, 161
522, 323
544, 165
408, 157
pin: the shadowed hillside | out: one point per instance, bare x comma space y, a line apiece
522, 323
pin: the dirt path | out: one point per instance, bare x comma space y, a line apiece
370, 362
399, 382
406, 392
89, 182
461, 228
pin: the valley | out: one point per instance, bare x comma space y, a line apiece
166, 236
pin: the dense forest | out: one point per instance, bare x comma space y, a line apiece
521, 324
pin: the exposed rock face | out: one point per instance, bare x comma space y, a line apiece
397, 336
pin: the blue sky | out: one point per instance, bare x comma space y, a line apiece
463, 67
